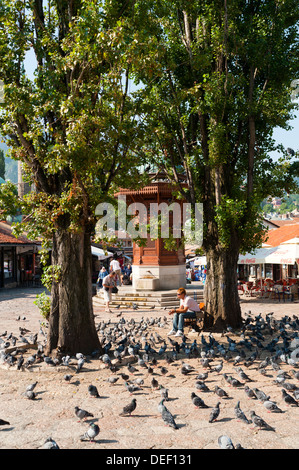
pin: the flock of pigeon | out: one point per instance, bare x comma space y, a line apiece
136, 351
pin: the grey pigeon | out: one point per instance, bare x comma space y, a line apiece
288, 399
31, 387
215, 413
68, 377
271, 406
197, 401
168, 417
260, 422
154, 383
218, 368
138, 381
202, 376
82, 414
242, 374
50, 444
261, 395
240, 415
93, 391
201, 386
289, 386
220, 392
249, 392
164, 392
128, 409
131, 387
112, 380
80, 364
295, 373
232, 381
225, 442
91, 432
30, 394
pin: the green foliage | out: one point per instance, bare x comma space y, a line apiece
43, 302
75, 127
219, 87
9, 201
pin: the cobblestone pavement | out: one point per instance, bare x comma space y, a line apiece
51, 413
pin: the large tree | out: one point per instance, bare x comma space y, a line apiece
219, 85
2, 164
74, 129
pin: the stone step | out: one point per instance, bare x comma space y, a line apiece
149, 299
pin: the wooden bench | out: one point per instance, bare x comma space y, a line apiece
196, 322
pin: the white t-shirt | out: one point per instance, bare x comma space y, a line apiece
190, 303
114, 265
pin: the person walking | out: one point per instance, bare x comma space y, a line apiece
108, 284
115, 267
187, 309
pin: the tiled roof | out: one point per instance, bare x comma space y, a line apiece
6, 237
282, 222
279, 235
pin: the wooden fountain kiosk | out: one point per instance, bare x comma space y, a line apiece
154, 267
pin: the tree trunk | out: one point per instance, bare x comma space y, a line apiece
221, 296
71, 322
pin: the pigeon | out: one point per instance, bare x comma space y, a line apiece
30, 394
131, 387
93, 391
288, 399
128, 409
3, 422
218, 368
134, 306
82, 414
197, 401
271, 406
215, 413
31, 387
289, 386
80, 364
259, 422
68, 377
154, 383
295, 374
201, 386
131, 369
232, 381
65, 360
261, 395
203, 376
112, 380
50, 444
242, 374
225, 442
249, 392
164, 392
240, 415
167, 416
91, 432
139, 381
220, 392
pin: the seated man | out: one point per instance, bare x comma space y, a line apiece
187, 309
